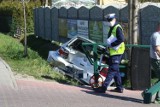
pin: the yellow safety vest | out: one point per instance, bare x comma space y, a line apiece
121, 48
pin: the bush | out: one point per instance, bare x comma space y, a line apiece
15, 11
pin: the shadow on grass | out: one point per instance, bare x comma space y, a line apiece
47, 77
40, 45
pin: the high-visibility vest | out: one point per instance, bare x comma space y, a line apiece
121, 48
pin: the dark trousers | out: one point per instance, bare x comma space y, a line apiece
114, 72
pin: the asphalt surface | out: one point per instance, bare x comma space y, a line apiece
22, 92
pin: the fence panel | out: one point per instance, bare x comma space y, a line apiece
47, 25
149, 18
35, 21
63, 18
54, 24
96, 13
41, 22
83, 13
72, 13
123, 15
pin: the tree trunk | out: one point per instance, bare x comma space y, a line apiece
135, 33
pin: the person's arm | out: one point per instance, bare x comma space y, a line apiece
157, 49
157, 44
120, 37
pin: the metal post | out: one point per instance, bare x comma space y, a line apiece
95, 58
130, 2
96, 73
25, 36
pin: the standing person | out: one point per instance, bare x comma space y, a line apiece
116, 48
155, 56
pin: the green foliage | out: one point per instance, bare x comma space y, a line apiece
15, 10
12, 51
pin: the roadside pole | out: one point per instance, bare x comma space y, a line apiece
25, 36
135, 32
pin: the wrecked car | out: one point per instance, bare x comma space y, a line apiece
72, 60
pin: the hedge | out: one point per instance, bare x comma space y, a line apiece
12, 17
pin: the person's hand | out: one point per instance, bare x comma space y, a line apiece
105, 51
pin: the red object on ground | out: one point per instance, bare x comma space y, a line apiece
104, 71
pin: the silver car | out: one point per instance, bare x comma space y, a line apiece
72, 60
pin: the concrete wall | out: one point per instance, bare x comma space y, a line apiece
46, 19
83, 13
40, 18
150, 16
47, 24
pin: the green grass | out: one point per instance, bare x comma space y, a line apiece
35, 64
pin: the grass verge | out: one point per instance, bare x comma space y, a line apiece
35, 64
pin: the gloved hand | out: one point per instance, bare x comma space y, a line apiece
105, 51
101, 50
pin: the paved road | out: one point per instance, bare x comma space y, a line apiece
19, 92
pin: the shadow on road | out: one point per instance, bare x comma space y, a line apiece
125, 98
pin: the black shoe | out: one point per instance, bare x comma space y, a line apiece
100, 90
117, 90
142, 94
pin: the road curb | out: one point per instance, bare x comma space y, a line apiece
14, 83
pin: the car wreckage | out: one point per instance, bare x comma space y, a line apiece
71, 59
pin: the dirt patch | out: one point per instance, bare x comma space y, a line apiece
23, 76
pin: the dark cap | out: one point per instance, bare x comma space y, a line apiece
110, 17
